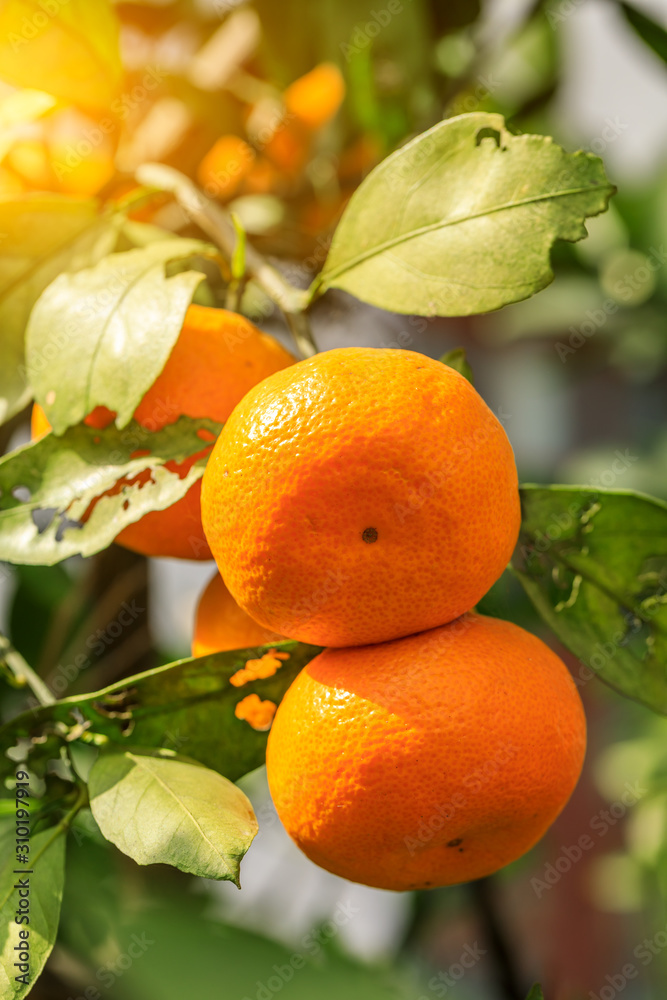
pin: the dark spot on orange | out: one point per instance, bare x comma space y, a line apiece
455, 842
369, 535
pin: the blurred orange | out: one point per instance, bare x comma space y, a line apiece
316, 97
225, 165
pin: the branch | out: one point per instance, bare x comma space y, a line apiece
497, 940
23, 672
216, 222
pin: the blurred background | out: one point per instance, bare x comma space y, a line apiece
279, 110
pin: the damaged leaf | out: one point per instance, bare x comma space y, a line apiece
71, 495
594, 564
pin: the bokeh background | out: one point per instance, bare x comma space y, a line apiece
578, 375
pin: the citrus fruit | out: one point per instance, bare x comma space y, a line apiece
430, 760
220, 624
310, 103
225, 165
360, 496
218, 356
315, 97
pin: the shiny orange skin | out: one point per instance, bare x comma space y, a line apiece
359, 496
218, 357
220, 624
431, 760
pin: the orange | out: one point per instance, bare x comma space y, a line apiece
220, 624
431, 760
310, 103
316, 97
225, 165
218, 356
359, 496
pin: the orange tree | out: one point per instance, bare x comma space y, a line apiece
460, 220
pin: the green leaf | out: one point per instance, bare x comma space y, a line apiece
461, 220
114, 326
187, 706
69, 49
47, 487
40, 236
457, 360
594, 564
648, 30
47, 864
158, 809
535, 993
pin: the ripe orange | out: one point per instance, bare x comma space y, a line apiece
359, 496
310, 103
431, 760
315, 97
220, 624
218, 356
224, 167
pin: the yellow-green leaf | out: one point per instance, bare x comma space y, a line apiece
462, 219
160, 809
68, 48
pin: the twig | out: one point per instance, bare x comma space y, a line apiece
216, 222
508, 975
64, 824
23, 672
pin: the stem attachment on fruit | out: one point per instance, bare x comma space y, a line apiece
216, 222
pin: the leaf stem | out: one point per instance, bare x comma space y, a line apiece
65, 823
217, 223
24, 673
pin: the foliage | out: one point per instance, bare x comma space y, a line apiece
468, 215
114, 326
594, 563
161, 809
418, 257
72, 494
